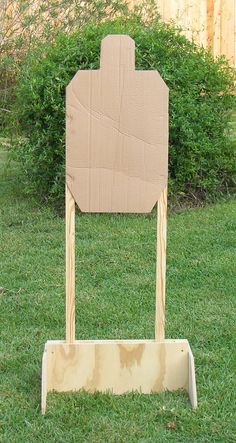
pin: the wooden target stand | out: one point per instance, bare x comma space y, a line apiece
117, 366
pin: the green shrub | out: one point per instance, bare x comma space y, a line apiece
25, 23
201, 151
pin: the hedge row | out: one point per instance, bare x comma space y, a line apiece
201, 152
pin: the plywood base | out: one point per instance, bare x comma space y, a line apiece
118, 366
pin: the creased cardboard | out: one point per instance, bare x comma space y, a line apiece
116, 133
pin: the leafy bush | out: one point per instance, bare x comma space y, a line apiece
201, 152
26, 23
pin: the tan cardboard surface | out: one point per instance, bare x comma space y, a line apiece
116, 133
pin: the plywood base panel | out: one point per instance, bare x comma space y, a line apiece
116, 366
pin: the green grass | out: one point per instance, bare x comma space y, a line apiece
115, 299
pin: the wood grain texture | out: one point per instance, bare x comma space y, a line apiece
70, 266
228, 30
211, 23
117, 366
161, 266
216, 44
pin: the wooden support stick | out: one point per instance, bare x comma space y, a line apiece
161, 266
70, 267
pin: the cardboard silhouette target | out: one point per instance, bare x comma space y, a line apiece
117, 161
117, 133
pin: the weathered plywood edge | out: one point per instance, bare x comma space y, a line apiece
192, 387
116, 341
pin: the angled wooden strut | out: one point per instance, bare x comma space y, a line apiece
117, 161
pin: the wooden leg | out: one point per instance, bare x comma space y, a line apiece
161, 267
70, 267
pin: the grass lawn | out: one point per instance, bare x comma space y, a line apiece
115, 299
